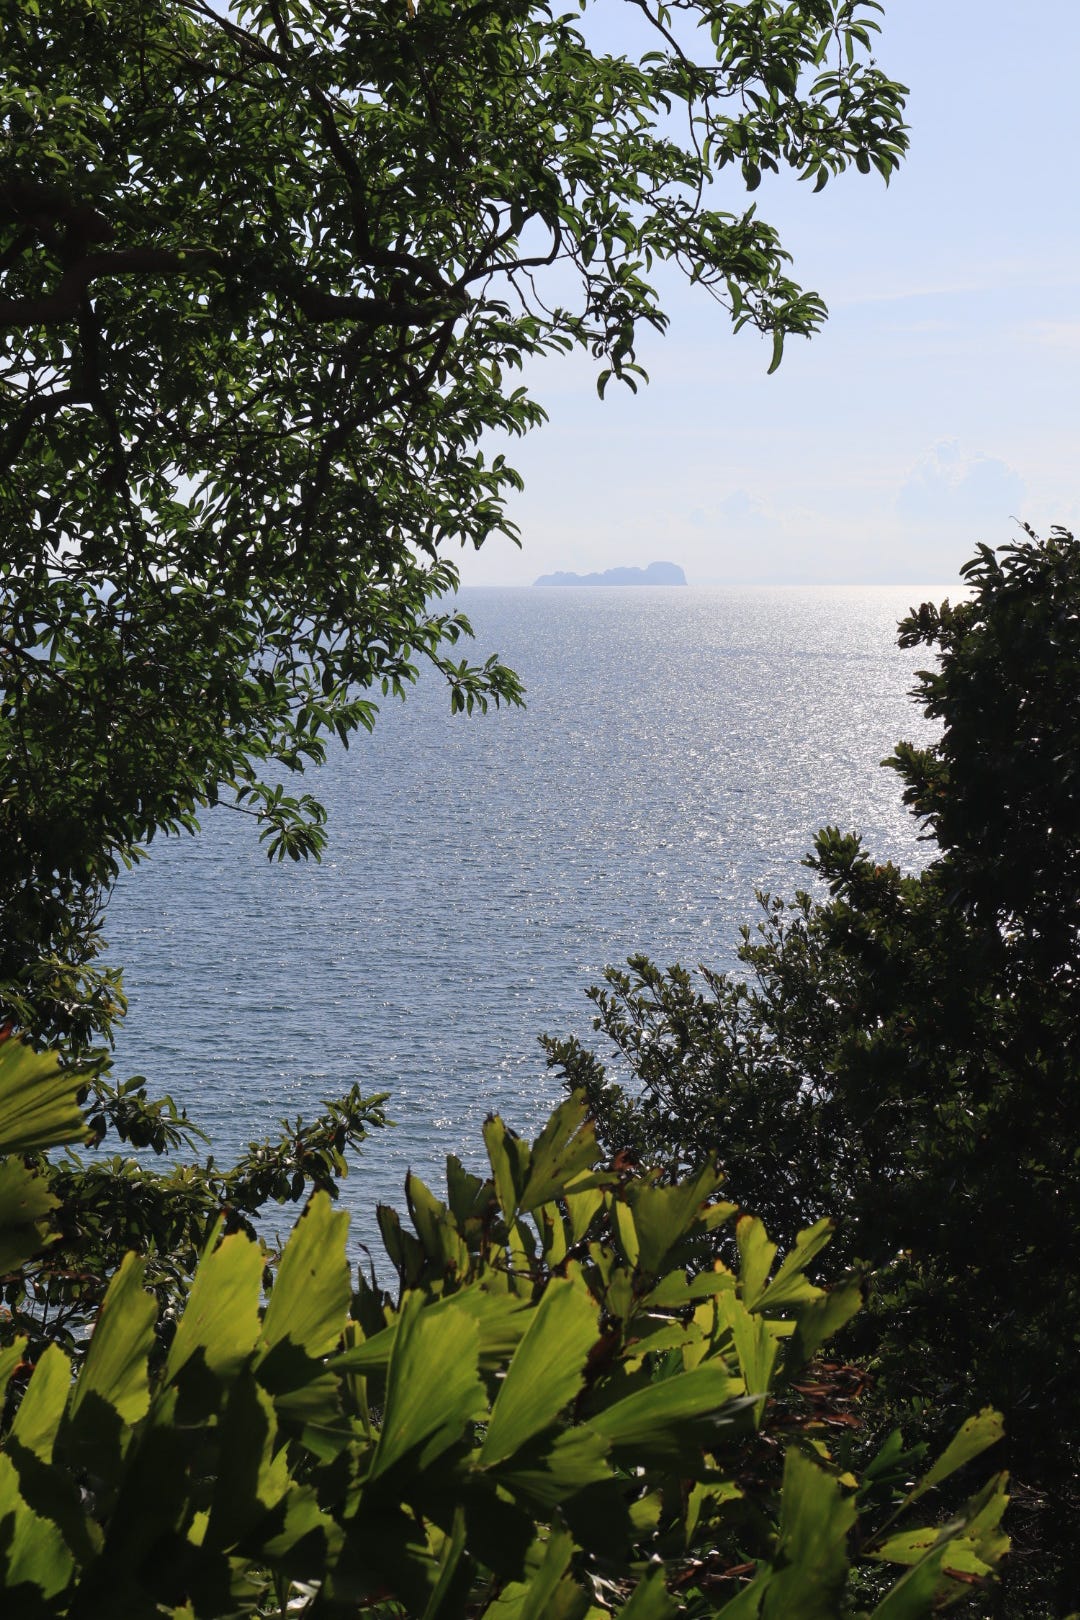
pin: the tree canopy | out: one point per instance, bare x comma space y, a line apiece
904, 1051
268, 276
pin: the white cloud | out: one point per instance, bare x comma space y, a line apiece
950, 485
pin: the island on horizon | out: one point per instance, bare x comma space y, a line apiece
657, 573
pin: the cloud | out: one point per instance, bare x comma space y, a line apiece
741, 507
950, 485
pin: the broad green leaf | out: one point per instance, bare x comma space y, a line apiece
664, 1215
552, 1229
703, 1500
625, 1232
582, 1208
33, 1550
369, 1356
435, 1225
312, 1290
790, 1284
810, 1563
756, 1255
675, 1290
25, 1206
221, 1318
716, 1215
914, 1595
755, 1346
116, 1364
660, 1420
304, 1519
250, 1479
543, 1596
465, 1193
500, 1318
564, 1149
41, 1411
509, 1160
748, 1603
778, 333
547, 1371
546, 1474
974, 1541
970, 1546
449, 1560
971, 1439
38, 1107
818, 1320
11, 1356
433, 1386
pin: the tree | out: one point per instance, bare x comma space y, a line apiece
266, 276
905, 1050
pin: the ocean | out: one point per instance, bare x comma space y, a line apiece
678, 751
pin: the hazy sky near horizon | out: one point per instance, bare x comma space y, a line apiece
938, 403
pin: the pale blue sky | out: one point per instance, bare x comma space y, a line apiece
939, 401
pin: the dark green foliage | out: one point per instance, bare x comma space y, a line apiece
559, 1413
266, 275
905, 1051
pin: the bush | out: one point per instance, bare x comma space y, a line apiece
565, 1411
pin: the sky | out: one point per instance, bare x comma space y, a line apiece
938, 404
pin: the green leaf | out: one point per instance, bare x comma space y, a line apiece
443, 1592
777, 350
971, 1439
547, 1595
819, 1320
221, 1318
116, 1367
664, 1215
25, 1205
11, 1356
35, 1552
433, 1386
310, 1299
755, 1345
543, 1476
969, 1547
38, 1107
666, 1420
37, 1422
547, 1370
810, 1563
564, 1149
790, 1284
250, 1479
509, 1159
756, 1255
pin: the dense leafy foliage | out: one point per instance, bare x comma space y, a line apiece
100, 1207
267, 273
562, 1412
905, 1051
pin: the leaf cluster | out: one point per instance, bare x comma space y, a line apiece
560, 1413
55, 1272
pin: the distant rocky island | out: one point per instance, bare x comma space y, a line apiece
657, 573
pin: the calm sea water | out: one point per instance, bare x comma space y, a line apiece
679, 749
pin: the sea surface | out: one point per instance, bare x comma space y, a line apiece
679, 749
